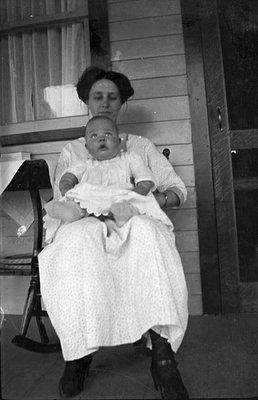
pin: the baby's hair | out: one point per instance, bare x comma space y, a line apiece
99, 118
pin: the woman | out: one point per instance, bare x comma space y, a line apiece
104, 290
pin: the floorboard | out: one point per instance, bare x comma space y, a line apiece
218, 359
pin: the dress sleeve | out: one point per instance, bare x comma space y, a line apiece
72, 153
63, 164
166, 177
77, 170
139, 170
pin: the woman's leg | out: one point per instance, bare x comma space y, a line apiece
73, 291
164, 370
149, 279
77, 286
72, 380
154, 273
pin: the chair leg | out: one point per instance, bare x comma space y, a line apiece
33, 308
41, 327
28, 309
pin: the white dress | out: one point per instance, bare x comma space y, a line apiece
106, 290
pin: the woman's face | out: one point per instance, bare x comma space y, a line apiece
104, 99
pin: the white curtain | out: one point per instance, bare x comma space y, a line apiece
39, 68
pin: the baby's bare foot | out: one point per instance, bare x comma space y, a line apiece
67, 211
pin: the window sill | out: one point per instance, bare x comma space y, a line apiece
43, 130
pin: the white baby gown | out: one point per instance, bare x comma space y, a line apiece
103, 183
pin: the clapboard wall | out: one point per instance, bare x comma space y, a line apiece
147, 44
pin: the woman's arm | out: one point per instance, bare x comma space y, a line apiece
72, 154
62, 165
171, 189
166, 178
168, 198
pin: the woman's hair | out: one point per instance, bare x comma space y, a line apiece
94, 74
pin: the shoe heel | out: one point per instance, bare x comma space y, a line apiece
87, 370
157, 385
169, 387
155, 381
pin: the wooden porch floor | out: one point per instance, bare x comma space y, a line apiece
218, 359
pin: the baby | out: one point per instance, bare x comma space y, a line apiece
96, 181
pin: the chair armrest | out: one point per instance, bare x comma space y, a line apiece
33, 175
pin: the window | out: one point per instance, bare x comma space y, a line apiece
44, 47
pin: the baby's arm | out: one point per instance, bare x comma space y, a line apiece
69, 210
67, 182
143, 177
143, 187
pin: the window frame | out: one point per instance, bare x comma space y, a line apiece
61, 128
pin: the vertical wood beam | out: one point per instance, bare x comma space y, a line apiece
221, 156
208, 246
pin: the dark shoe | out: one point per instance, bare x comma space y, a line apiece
167, 380
72, 380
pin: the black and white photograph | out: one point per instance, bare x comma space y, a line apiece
129, 199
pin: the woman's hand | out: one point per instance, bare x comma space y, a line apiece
167, 199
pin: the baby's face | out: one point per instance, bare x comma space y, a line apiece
102, 140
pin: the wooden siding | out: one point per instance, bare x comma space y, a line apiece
135, 9
147, 45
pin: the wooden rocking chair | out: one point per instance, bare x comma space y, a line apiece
33, 175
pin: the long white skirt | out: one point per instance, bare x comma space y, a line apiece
106, 290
